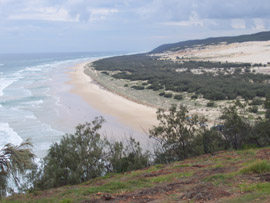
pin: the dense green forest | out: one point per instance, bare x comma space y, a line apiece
261, 36
160, 74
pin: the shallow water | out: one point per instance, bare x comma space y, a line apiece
36, 103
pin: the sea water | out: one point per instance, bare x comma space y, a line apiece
36, 103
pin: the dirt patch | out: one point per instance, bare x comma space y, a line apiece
264, 177
145, 195
263, 154
204, 192
157, 173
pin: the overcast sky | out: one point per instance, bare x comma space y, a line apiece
123, 25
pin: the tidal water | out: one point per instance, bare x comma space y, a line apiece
36, 103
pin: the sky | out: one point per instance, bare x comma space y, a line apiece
123, 25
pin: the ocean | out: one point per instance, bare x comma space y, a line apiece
36, 103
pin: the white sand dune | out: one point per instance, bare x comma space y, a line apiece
251, 52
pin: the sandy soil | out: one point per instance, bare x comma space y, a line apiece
134, 115
251, 52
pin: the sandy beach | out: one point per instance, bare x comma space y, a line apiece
127, 112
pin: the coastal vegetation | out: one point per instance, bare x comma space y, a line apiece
191, 159
14, 162
227, 82
179, 136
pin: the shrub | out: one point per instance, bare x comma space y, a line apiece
194, 97
127, 158
210, 104
77, 158
212, 141
267, 113
168, 95
161, 94
253, 109
175, 134
256, 102
178, 97
84, 155
237, 130
137, 87
105, 73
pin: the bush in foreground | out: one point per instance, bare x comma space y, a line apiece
85, 155
14, 162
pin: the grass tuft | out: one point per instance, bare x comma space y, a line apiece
260, 166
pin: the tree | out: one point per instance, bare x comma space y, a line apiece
237, 130
175, 134
85, 155
127, 158
212, 141
262, 133
14, 162
77, 158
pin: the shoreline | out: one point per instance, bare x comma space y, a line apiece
138, 116
117, 92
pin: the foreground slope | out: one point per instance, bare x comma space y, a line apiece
232, 176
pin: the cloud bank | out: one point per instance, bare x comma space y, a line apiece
82, 25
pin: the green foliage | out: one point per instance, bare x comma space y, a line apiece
14, 161
219, 178
256, 102
210, 104
77, 158
137, 87
237, 129
175, 134
253, 109
161, 94
178, 97
168, 95
267, 103
260, 166
267, 114
262, 133
127, 158
212, 141
162, 74
84, 155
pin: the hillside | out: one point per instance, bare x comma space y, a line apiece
233, 176
262, 36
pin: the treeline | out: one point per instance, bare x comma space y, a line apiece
86, 155
162, 75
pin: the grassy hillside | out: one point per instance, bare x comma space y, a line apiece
261, 36
233, 176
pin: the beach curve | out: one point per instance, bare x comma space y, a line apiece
135, 115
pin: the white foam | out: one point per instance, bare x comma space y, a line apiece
31, 116
8, 135
34, 69
4, 83
35, 103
